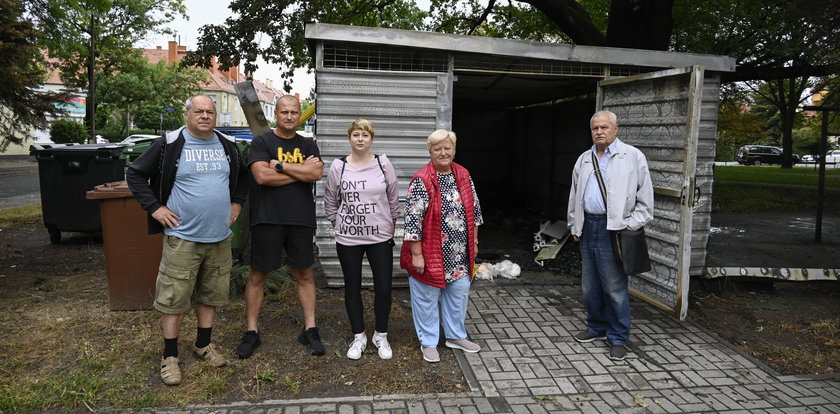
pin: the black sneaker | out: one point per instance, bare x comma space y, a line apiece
310, 338
250, 342
586, 336
617, 352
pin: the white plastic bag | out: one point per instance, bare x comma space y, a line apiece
485, 271
507, 269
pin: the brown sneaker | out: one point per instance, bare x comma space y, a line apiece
211, 354
170, 372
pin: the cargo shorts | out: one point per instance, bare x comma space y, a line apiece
192, 272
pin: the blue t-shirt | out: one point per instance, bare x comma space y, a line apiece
201, 195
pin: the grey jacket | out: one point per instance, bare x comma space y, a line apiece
629, 189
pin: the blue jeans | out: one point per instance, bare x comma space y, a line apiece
431, 305
604, 283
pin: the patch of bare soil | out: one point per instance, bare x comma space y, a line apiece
56, 330
794, 327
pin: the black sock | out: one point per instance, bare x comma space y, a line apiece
203, 337
170, 347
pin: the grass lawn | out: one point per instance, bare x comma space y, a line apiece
744, 189
775, 174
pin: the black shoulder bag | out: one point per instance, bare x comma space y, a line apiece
630, 246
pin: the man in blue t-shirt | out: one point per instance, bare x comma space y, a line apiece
180, 181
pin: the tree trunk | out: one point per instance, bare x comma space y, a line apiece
787, 137
640, 24
786, 96
90, 104
572, 19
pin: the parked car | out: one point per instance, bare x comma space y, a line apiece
832, 157
809, 158
138, 138
242, 132
761, 154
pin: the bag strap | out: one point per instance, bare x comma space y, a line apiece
381, 167
601, 184
344, 164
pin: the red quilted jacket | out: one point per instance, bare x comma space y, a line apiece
433, 274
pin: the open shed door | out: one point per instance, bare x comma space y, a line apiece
659, 113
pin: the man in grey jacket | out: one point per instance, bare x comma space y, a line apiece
591, 221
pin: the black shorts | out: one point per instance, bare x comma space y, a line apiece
269, 240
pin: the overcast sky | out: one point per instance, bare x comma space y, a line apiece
203, 12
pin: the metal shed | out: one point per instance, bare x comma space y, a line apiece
521, 111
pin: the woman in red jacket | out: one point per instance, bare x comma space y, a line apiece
442, 216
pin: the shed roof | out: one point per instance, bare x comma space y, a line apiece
516, 48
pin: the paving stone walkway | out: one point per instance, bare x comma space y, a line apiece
529, 364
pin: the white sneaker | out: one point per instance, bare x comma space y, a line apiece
357, 347
380, 340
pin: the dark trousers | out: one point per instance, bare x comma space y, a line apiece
381, 259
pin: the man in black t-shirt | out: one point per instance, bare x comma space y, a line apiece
283, 167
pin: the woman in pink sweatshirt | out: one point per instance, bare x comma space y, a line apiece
361, 201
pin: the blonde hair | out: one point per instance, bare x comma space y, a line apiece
440, 135
362, 124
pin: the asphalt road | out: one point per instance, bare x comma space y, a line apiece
19, 183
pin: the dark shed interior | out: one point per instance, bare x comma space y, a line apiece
519, 135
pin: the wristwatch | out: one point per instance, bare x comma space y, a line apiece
279, 166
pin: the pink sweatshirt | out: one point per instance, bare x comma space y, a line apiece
362, 204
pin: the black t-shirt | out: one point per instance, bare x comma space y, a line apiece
291, 204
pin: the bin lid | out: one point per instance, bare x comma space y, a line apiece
116, 189
111, 150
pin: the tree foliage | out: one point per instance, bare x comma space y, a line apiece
148, 116
113, 26
96, 37
739, 123
238, 40
771, 39
143, 84
22, 106
63, 131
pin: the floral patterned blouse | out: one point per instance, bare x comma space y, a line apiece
454, 227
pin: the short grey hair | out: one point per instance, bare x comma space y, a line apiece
610, 115
439, 136
188, 102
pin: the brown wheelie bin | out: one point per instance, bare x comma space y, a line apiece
132, 256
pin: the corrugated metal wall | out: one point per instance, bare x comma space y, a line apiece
404, 108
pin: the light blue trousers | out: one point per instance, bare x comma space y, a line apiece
427, 312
